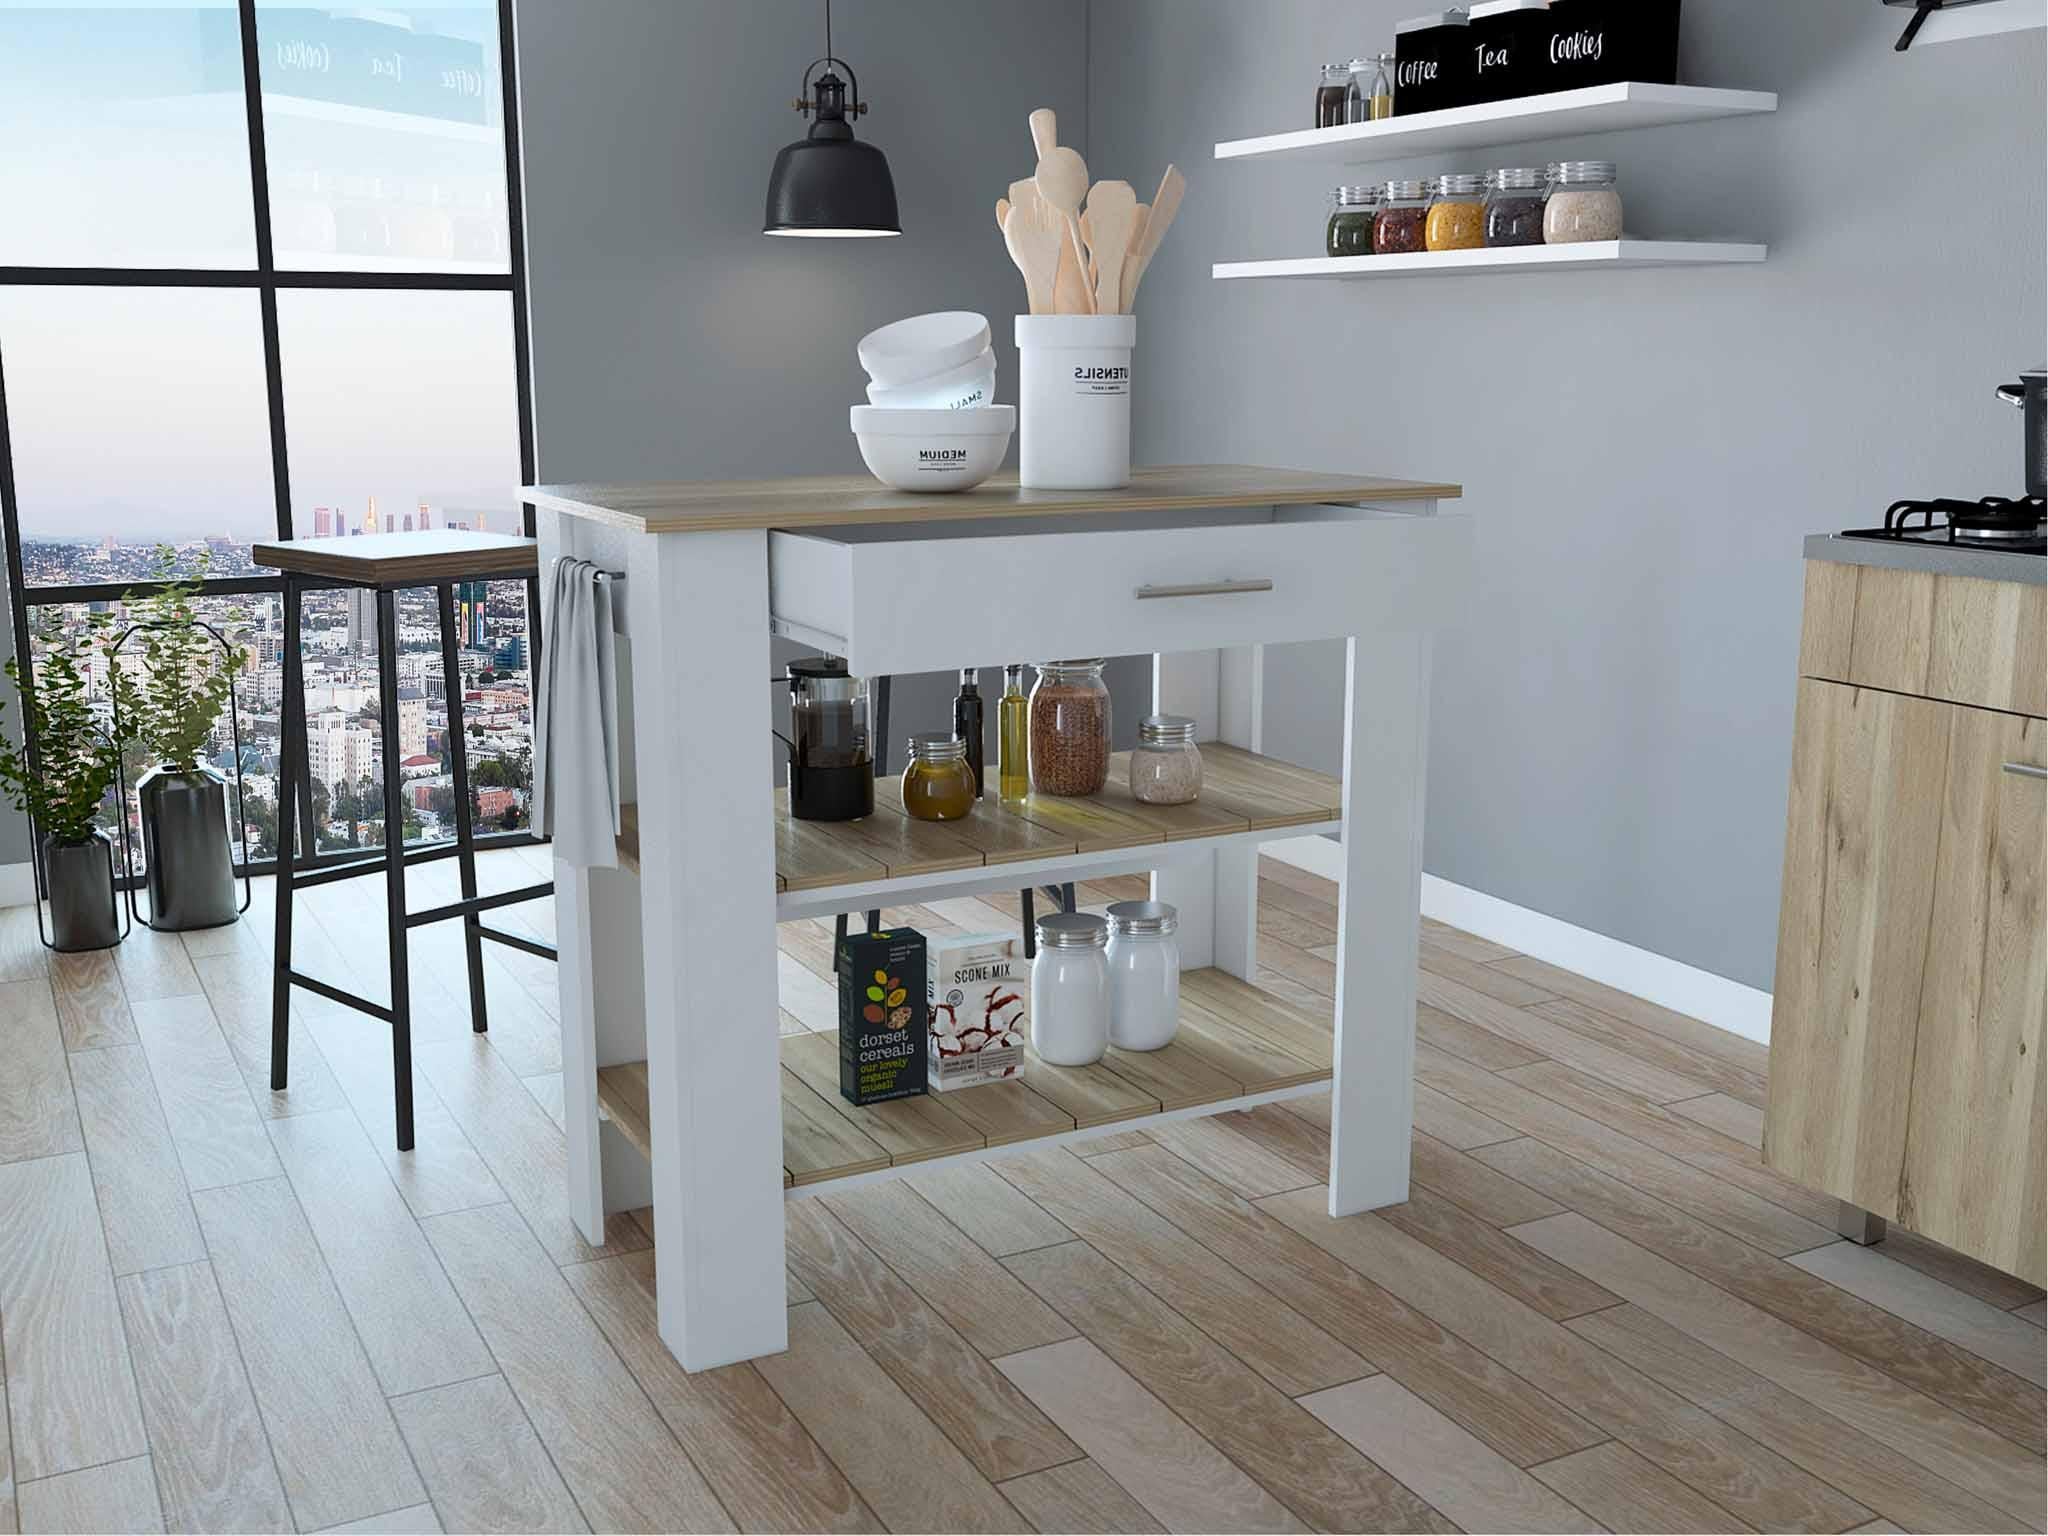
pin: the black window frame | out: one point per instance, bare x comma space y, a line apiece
267, 280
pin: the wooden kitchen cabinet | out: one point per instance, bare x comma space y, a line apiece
1912, 974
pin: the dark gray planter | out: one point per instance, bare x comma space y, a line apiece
189, 861
82, 911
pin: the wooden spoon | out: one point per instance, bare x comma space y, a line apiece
1034, 236
1045, 132
1062, 178
1112, 210
1165, 204
1002, 212
1073, 291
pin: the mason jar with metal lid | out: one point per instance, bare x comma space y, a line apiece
1349, 231
1398, 227
1166, 766
938, 785
1144, 974
1070, 989
1584, 203
1457, 213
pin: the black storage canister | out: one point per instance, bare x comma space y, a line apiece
1432, 64
1598, 42
1507, 45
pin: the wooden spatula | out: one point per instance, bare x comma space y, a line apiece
1002, 212
1137, 241
1073, 291
1112, 210
1045, 131
1165, 204
1034, 235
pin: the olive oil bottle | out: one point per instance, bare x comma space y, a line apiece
1013, 738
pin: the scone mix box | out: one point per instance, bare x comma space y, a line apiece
881, 1015
978, 988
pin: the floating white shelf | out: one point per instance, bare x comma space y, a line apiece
1605, 253
1985, 20
1559, 114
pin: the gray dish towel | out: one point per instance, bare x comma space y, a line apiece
576, 740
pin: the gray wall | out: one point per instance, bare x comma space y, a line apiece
1643, 451
671, 339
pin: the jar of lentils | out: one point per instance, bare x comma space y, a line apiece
1069, 728
1349, 232
1457, 214
1397, 229
1514, 207
1584, 203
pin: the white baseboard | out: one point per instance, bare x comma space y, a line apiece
17, 885
1730, 1005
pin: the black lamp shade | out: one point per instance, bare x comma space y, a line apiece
828, 185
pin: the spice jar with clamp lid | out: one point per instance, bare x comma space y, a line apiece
1398, 228
938, 784
1457, 213
1070, 989
1349, 232
1514, 207
1166, 766
1144, 974
1584, 203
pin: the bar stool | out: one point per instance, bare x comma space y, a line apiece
385, 564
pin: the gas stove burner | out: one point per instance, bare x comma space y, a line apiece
2016, 525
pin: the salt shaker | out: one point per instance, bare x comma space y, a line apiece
1070, 990
1144, 974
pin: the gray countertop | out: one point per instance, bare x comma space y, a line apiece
1942, 559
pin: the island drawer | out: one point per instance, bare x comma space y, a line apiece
911, 597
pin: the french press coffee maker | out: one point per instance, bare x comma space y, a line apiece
831, 757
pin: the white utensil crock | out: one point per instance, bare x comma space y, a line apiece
1074, 401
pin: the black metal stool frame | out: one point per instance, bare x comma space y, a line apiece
395, 859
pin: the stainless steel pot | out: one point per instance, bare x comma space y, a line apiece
191, 867
81, 876
2031, 396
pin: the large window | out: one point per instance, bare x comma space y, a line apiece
260, 278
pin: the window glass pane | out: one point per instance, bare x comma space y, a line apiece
400, 414
138, 418
385, 137
123, 136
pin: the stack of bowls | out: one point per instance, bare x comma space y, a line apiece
929, 424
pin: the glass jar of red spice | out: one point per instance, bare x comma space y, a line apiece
1398, 228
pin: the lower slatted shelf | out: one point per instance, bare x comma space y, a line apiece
1236, 1043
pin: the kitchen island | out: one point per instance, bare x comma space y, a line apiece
668, 965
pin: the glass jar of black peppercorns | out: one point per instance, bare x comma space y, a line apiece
1514, 207
1349, 232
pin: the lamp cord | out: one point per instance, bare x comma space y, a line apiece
828, 28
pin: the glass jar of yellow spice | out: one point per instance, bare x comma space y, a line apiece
1457, 213
937, 783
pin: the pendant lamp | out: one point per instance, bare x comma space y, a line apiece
828, 185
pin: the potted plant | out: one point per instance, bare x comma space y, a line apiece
169, 705
76, 760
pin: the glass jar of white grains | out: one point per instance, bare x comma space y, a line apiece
1070, 989
1144, 974
1166, 766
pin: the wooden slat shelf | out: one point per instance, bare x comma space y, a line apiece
1242, 792
1235, 1043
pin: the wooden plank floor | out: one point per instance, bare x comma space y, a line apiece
223, 1308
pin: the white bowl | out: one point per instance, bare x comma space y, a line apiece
973, 383
933, 450
923, 345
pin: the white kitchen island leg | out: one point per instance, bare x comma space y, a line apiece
698, 613
1386, 741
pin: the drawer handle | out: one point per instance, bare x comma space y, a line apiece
1207, 589
2026, 770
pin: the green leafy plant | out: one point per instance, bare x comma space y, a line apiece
76, 759
185, 680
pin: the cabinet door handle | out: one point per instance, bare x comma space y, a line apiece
1207, 588
2026, 770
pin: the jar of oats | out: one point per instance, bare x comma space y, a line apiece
1584, 204
1166, 768
1069, 728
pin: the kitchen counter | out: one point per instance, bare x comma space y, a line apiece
1939, 559
676, 1092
